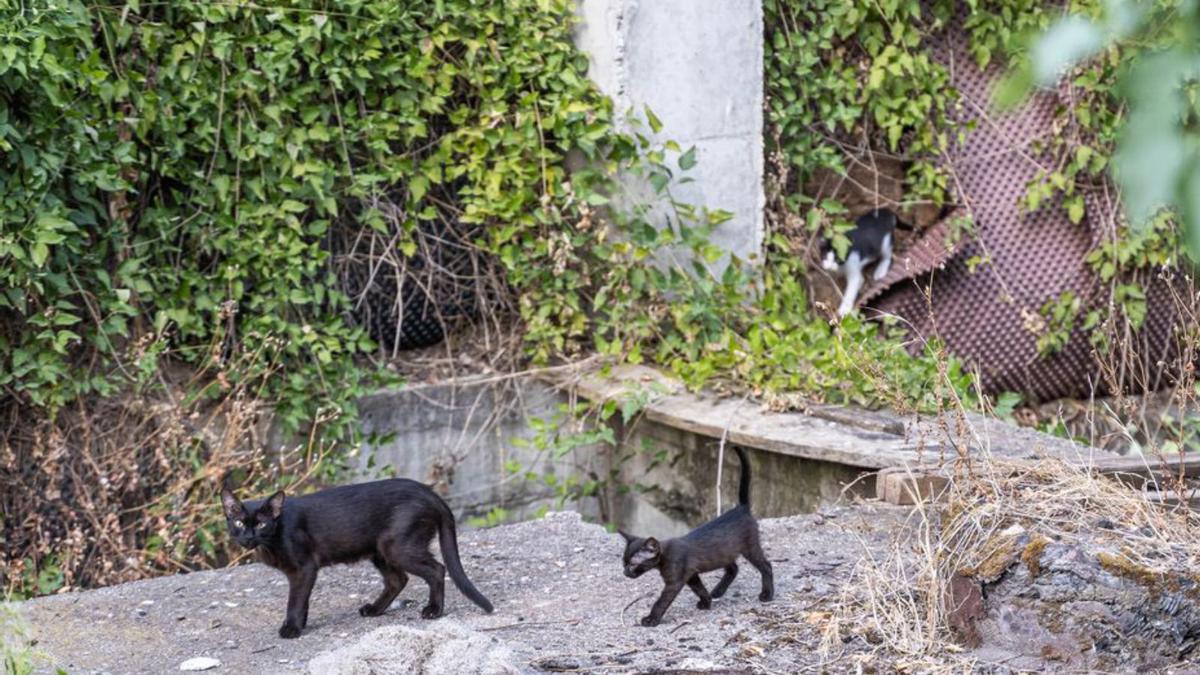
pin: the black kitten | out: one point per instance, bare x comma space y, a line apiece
870, 241
712, 546
389, 521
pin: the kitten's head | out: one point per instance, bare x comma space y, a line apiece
641, 554
252, 527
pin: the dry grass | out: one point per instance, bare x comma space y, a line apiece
992, 516
124, 487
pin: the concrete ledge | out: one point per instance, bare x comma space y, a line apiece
841, 435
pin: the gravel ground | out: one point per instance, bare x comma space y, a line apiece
562, 604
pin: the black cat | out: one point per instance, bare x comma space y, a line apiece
712, 546
389, 521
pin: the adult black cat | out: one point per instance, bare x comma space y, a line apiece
389, 521
713, 546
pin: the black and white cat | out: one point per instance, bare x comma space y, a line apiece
870, 242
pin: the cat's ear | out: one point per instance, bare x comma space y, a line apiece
231, 505
275, 504
651, 544
626, 536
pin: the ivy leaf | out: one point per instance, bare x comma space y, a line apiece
1075, 209
688, 159
39, 252
656, 124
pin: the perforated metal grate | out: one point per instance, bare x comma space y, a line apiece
988, 316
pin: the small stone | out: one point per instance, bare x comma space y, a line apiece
561, 663
147, 602
1013, 530
231, 604
199, 663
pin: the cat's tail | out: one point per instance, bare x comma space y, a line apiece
744, 481
448, 540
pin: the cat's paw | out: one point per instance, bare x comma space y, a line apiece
717, 594
650, 621
766, 596
369, 610
431, 612
704, 604
289, 631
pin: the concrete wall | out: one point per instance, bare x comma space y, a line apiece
698, 65
674, 474
461, 439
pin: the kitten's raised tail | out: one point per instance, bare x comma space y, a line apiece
448, 540
744, 481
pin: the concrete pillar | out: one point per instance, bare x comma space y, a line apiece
698, 64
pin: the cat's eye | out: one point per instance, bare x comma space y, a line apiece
238, 524
260, 526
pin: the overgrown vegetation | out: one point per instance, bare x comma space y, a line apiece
170, 173
174, 174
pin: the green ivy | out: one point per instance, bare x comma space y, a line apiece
841, 72
170, 171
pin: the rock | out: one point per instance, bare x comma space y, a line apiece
558, 664
1084, 607
964, 608
199, 663
448, 648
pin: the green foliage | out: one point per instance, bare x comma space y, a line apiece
18, 656
1140, 56
1059, 315
778, 346
832, 91
495, 516
844, 72
170, 171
